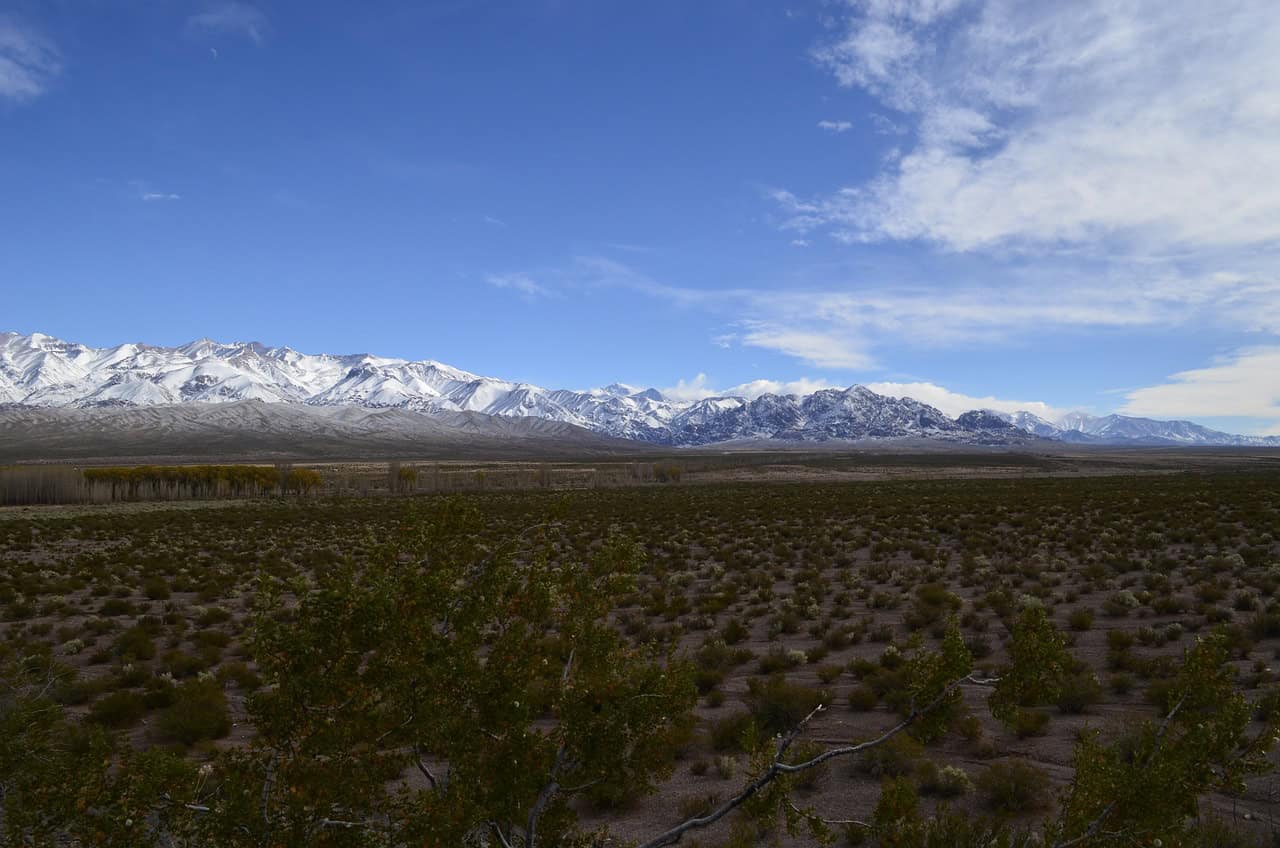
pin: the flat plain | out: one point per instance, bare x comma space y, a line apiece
789, 582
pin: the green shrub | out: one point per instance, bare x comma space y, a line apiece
199, 712
1080, 619
135, 644
969, 727
156, 588
979, 646
830, 673
117, 710
74, 692
778, 705
780, 659
944, 782
730, 733
212, 616
1080, 691
735, 631
131, 676
240, 675
860, 667
894, 692
115, 607
1014, 787
1120, 640
898, 806
707, 679
894, 758
159, 693
181, 664
1030, 723
863, 698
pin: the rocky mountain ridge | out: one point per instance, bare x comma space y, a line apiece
42, 371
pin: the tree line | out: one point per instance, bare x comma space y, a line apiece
34, 484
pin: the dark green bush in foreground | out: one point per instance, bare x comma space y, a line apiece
198, 712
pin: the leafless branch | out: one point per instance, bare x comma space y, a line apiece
267, 784
854, 822
568, 666
427, 773
548, 791
401, 726
778, 767
502, 837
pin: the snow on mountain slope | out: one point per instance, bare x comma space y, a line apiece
1033, 424
42, 371
1083, 428
257, 430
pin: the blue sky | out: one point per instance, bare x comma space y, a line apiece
1025, 204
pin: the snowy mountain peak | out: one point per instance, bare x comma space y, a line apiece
39, 370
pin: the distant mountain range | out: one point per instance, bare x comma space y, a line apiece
251, 429
39, 371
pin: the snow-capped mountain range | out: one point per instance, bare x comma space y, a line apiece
41, 371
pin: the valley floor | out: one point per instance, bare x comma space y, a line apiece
796, 576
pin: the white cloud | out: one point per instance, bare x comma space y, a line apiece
29, 61
841, 323
689, 390
835, 126
156, 195
802, 386
846, 322
231, 18
955, 403
1148, 124
522, 283
823, 349
1245, 385
700, 387
725, 340
885, 126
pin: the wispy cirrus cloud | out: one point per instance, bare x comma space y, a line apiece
836, 127
151, 196
519, 282
842, 323
231, 18
820, 347
29, 61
